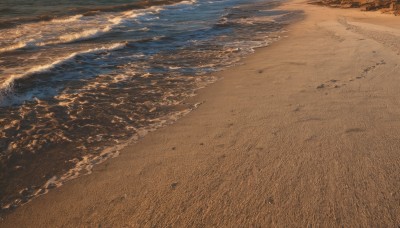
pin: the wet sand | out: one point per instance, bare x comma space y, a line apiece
305, 132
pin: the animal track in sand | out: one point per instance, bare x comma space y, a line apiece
370, 68
333, 83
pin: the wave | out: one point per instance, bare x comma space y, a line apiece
93, 33
130, 6
68, 19
19, 45
85, 34
186, 2
7, 85
84, 11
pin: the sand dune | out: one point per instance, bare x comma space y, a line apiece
305, 132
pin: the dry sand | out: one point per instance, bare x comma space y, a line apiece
306, 132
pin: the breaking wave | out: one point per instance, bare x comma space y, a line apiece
8, 83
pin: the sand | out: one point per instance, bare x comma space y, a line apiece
305, 132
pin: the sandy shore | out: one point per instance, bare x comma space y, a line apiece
305, 132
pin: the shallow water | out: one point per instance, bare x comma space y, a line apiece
95, 75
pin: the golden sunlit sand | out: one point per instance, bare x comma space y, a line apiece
305, 132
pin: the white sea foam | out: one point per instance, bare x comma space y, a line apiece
86, 34
16, 46
188, 2
68, 19
13, 47
8, 83
51, 33
47, 34
93, 33
156, 9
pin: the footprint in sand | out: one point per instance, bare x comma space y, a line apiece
367, 70
333, 83
270, 200
354, 130
174, 185
297, 109
372, 67
311, 138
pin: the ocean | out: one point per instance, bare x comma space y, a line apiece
81, 79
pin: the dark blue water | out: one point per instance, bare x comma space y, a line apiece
13, 12
93, 75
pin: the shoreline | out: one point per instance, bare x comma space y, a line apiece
57, 132
278, 142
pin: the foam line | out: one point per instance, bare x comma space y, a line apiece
8, 83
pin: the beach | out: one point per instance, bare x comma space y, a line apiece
304, 132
